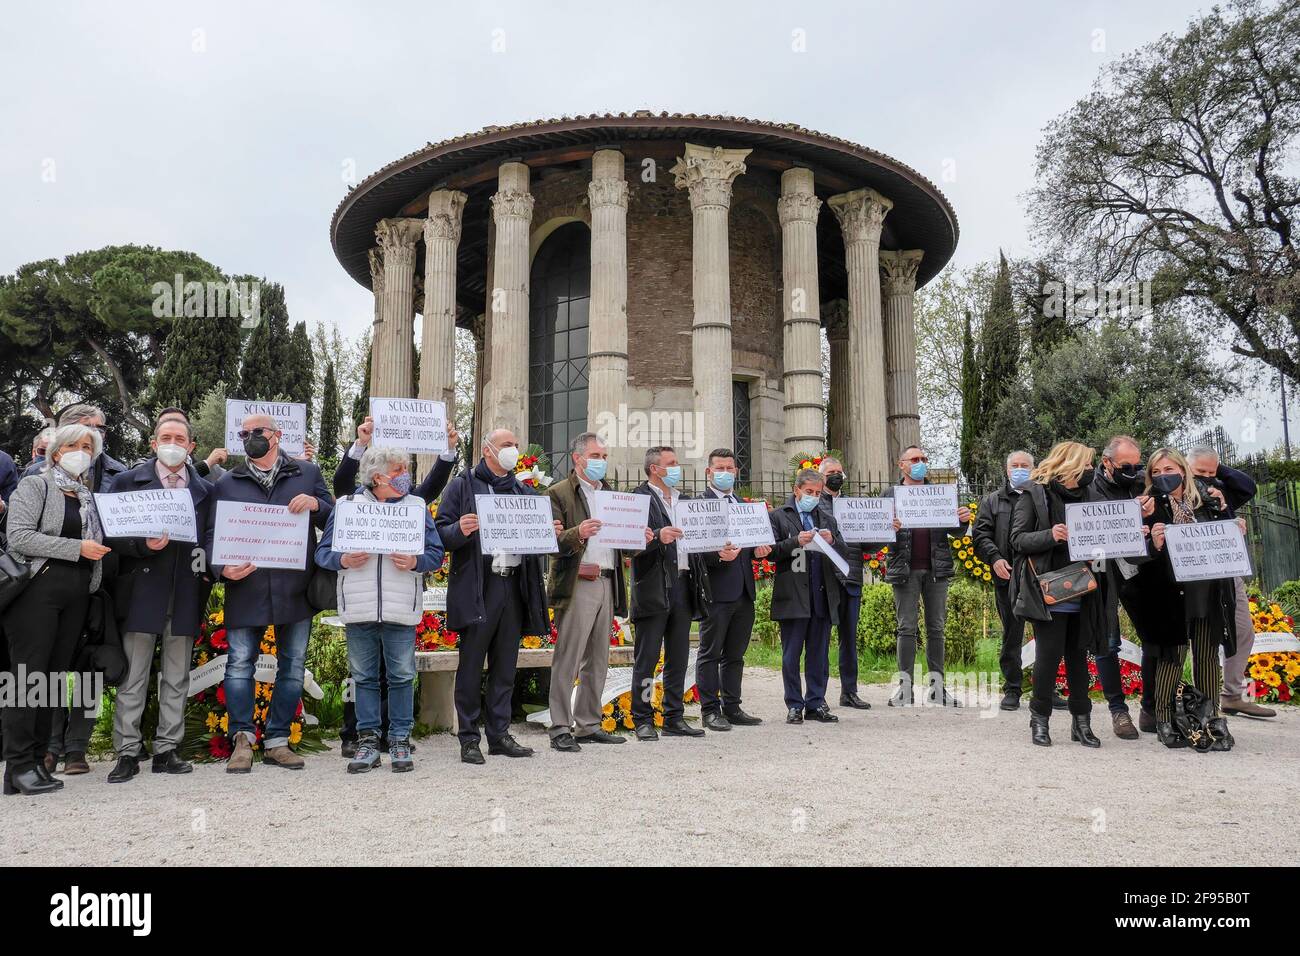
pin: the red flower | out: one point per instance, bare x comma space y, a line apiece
201, 696
221, 694
219, 747
298, 713
218, 640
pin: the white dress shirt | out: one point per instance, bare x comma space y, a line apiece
595, 553
670, 499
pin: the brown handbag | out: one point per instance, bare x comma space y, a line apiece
1067, 584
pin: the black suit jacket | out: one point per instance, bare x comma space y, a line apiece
345, 478
729, 580
654, 570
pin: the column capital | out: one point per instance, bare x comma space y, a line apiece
798, 207
607, 192
399, 235
835, 316
376, 256
445, 209
707, 172
861, 214
898, 270
512, 204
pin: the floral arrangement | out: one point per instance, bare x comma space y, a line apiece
617, 714
207, 722
1275, 675
620, 634
876, 563
763, 569
1271, 619
532, 468
801, 461
979, 571
431, 633
1130, 678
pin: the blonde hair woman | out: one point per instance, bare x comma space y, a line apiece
1176, 615
1070, 629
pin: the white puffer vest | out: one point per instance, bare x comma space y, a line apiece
378, 591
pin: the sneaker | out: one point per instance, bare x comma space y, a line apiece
367, 756
399, 753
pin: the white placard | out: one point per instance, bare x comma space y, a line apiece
704, 523
1105, 529
290, 416
748, 525
926, 506
515, 524
411, 424
623, 519
435, 599
822, 545
1274, 642
148, 514
865, 520
266, 535
377, 527
1207, 549
264, 672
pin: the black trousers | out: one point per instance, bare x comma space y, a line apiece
720, 667
496, 641
1013, 636
43, 627
1053, 640
670, 631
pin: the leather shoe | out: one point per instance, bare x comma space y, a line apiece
507, 746
795, 716
127, 767
1146, 721
854, 701
29, 783
678, 727
74, 763
646, 732
738, 718
1122, 724
49, 762
347, 749
1245, 708
565, 743
46, 775
469, 753
821, 714
1010, 700
599, 736
714, 721
1038, 734
170, 762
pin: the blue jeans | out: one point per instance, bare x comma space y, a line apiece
291, 660
1108, 672
397, 644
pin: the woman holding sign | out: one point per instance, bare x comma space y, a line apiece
1176, 614
1060, 596
381, 598
53, 523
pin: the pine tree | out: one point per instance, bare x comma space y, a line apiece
330, 416
971, 404
299, 369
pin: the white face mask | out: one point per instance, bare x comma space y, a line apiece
74, 462
172, 455
507, 457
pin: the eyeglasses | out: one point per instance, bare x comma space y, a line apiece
244, 434
913, 461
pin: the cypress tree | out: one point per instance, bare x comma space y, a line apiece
264, 373
361, 403
999, 345
299, 369
200, 354
330, 415
971, 404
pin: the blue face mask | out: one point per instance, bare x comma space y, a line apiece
919, 470
595, 469
401, 484
723, 480
673, 475
1019, 477
808, 502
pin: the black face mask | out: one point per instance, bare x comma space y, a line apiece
1086, 478
255, 446
835, 480
1126, 476
1167, 484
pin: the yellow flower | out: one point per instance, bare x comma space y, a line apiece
874, 563
627, 722
212, 722
608, 709
608, 725
988, 577
295, 733
532, 641
659, 719
225, 723
967, 565
625, 700
965, 539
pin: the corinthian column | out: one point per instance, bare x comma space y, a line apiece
861, 214
898, 282
607, 345
390, 370
804, 412
835, 316
708, 174
438, 335
506, 405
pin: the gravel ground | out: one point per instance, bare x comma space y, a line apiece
884, 786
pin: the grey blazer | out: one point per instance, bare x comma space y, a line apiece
39, 544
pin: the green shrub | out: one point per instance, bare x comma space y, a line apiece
967, 605
768, 631
1288, 596
877, 622
327, 654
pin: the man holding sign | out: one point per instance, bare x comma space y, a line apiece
804, 597
849, 604
492, 600
429, 488
920, 569
669, 590
258, 597
161, 593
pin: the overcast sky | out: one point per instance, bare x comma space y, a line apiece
227, 128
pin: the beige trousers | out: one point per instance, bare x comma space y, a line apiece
582, 652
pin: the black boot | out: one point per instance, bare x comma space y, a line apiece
1168, 736
1038, 730
1222, 736
28, 782
1081, 730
